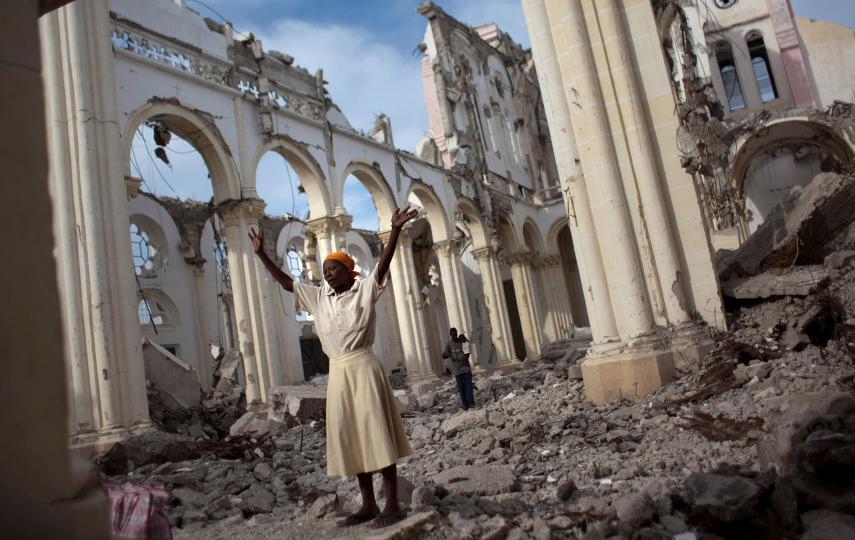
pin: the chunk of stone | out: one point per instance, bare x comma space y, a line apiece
725, 498
256, 500
262, 471
477, 480
796, 230
468, 419
407, 402
673, 524
253, 424
190, 497
839, 259
634, 510
824, 525
423, 495
540, 529
323, 505
494, 528
421, 432
565, 490
409, 527
799, 281
303, 401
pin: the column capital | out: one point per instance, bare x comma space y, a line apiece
344, 222
447, 247
234, 211
132, 185
520, 258
404, 236
321, 227
546, 261
484, 253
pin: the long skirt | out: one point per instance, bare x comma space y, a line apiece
364, 429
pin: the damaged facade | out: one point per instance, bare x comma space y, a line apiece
551, 199
491, 254
761, 107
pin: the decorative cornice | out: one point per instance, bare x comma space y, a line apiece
235, 211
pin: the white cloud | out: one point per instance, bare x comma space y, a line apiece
366, 77
508, 14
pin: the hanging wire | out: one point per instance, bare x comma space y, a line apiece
153, 162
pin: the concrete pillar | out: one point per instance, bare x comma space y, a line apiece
520, 264
497, 307
323, 228
254, 302
454, 288
549, 315
642, 151
99, 300
200, 301
409, 306
574, 185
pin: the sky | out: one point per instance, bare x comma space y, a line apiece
367, 49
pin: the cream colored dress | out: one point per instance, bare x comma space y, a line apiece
363, 425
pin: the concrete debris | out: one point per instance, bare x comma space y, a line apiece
799, 230
773, 283
756, 442
302, 402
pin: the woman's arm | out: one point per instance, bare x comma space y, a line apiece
284, 279
398, 220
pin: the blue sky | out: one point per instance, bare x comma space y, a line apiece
367, 49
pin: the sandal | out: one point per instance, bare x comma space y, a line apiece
356, 519
384, 520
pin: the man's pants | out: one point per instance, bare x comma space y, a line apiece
464, 385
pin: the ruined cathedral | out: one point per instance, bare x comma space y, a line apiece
587, 202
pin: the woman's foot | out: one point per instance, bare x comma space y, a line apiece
388, 517
366, 513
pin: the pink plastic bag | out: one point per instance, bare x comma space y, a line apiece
138, 512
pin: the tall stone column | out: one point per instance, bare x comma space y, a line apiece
574, 184
454, 288
497, 307
549, 312
96, 277
254, 301
410, 308
323, 228
521, 272
200, 301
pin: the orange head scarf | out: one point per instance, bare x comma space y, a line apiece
343, 258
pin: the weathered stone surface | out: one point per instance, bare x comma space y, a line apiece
322, 506
257, 426
405, 488
799, 281
256, 500
409, 527
797, 230
262, 471
634, 510
465, 420
825, 525
477, 480
304, 401
565, 490
725, 498
839, 259
147, 448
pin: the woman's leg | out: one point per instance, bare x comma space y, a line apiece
390, 483
369, 503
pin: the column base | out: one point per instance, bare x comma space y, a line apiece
509, 366
691, 343
632, 374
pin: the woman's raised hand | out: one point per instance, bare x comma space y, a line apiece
257, 239
400, 217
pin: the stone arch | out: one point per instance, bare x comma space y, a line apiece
508, 235
198, 131
377, 186
437, 218
468, 212
531, 236
161, 304
799, 147
310, 173
554, 230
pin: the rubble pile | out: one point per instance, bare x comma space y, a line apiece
758, 442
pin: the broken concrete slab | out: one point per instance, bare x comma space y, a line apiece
798, 281
797, 230
254, 424
304, 401
477, 480
172, 375
409, 527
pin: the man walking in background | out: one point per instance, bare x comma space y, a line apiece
459, 360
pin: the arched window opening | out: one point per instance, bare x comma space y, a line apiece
148, 315
729, 78
142, 250
762, 69
295, 263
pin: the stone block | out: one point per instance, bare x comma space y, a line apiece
304, 401
409, 527
477, 480
629, 374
